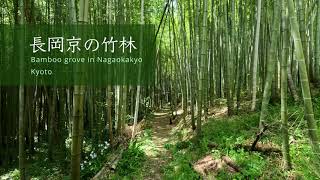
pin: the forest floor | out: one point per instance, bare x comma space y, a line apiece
164, 151
162, 136
157, 155
172, 151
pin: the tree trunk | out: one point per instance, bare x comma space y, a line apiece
317, 59
284, 87
271, 66
255, 57
78, 104
109, 113
136, 111
22, 157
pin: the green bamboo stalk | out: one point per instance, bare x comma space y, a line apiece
284, 87
271, 66
255, 57
308, 107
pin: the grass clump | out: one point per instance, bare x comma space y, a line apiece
131, 162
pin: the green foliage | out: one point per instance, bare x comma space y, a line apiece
226, 133
300, 148
168, 146
39, 167
131, 162
252, 165
14, 175
93, 158
145, 142
183, 144
180, 168
316, 102
303, 156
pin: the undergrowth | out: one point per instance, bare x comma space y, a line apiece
228, 132
132, 161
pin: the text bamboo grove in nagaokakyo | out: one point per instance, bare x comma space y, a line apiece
93, 55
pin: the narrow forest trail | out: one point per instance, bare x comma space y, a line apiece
156, 153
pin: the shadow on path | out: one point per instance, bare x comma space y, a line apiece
157, 155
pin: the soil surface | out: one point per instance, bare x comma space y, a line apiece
157, 155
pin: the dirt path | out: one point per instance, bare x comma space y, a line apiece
157, 155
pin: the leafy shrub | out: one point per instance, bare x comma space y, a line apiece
14, 175
132, 161
94, 159
252, 164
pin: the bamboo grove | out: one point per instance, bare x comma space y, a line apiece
250, 53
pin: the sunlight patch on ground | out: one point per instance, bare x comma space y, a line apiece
222, 111
154, 147
150, 149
